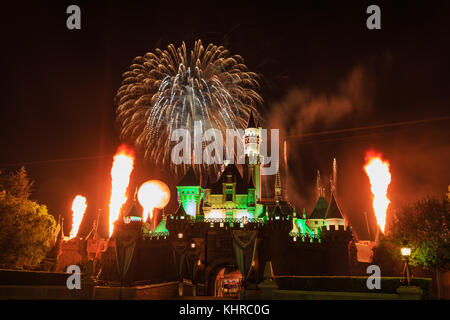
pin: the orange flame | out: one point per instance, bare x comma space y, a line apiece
377, 170
153, 194
120, 173
78, 209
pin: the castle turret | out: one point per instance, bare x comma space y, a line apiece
333, 215
317, 218
190, 193
252, 141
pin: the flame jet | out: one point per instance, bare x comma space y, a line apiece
120, 173
79, 206
379, 175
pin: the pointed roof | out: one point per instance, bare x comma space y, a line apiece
93, 232
189, 179
263, 213
161, 228
61, 230
277, 212
319, 209
333, 210
208, 184
180, 212
251, 121
133, 212
231, 169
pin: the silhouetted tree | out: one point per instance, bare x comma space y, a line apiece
17, 183
26, 228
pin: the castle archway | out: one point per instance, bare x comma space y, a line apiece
224, 280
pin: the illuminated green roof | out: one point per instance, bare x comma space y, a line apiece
319, 209
161, 228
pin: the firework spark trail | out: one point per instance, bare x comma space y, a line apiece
120, 173
169, 90
78, 209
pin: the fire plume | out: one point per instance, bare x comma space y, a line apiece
78, 209
153, 194
379, 175
120, 173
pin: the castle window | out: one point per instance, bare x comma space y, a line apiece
229, 193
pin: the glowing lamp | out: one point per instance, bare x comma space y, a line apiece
193, 245
180, 236
405, 249
406, 252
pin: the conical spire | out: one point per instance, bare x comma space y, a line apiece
278, 185
319, 209
180, 212
189, 179
251, 121
61, 231
333, 210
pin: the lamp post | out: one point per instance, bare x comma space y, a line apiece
406, 252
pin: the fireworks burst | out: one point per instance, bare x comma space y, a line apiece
170, 89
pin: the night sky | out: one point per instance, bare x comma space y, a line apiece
321, 69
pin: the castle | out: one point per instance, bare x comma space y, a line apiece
227, 225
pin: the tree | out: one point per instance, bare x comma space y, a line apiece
425, 225
26, 228
17, 183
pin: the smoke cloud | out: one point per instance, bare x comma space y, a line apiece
303, 111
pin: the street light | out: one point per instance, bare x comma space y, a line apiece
406, 252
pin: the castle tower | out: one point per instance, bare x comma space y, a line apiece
190, 193
251, 193
252, 141
278, 196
